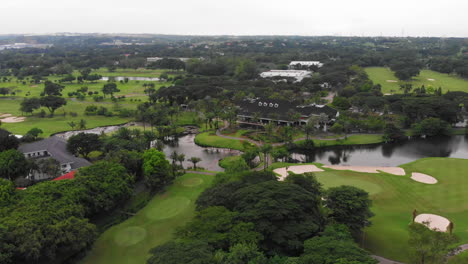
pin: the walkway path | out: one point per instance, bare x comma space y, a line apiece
201, 172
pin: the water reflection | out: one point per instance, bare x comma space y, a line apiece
392, 154
209, 156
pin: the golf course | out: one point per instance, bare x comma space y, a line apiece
132, 91
391, 85
395, 197
130, 241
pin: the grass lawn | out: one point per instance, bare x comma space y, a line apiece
395, 198
350, 140
224, 163
381, 75
59, 122
209, 139
130, 241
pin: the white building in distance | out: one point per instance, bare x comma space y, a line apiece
153, 59
294, 64
297, 74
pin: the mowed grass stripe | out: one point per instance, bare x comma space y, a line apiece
130, 241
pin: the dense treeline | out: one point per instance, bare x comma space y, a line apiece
404, 55
250, 217
54, 220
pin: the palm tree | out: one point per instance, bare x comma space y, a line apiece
324, 120
72, 125
181, 159
195, 160
309, 128
265, 149
82, 124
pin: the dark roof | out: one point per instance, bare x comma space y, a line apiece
266, 107
57, 148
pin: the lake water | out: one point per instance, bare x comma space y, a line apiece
390, 154
209, 156
122, 78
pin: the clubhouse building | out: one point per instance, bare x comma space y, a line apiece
263, 111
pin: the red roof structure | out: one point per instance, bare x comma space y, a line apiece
68, 176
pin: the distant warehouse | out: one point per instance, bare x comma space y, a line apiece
304, 64
297, 74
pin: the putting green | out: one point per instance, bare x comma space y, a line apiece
130, 236
168, 208
192, 182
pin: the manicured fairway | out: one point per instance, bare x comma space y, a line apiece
381, 75
395, 198
130, 241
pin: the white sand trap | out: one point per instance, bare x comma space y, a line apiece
369, 169
424, 178
13, 119
4, 115
300, 169
436, 222
431, 80
392, 81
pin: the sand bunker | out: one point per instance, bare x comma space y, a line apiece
369, 169
296, 169
13, 119
431, 80
424, 178
9, 118
436, 222
392, 81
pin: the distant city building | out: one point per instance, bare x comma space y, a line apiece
24, 46
153, 59
282, 112
55, 148
297, 74
300, 64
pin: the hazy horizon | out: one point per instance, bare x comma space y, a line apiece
242, 18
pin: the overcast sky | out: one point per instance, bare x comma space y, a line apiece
444, 18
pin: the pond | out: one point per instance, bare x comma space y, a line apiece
209, 156
122, 78
390, 154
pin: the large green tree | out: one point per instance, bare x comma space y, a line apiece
428, 246
13, 164
110, 88
350, 206
52, 103
156, 169
7, 140
334, 245
220, 228
83, 144
106, 184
